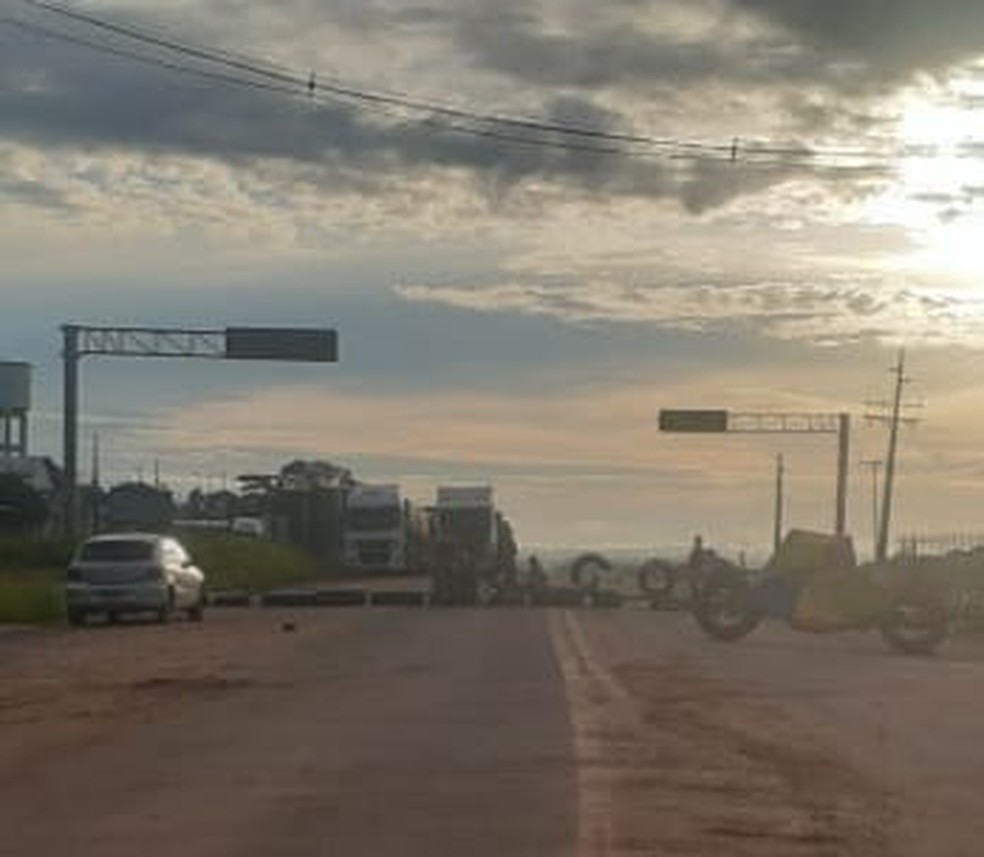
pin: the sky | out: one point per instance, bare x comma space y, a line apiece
740, 204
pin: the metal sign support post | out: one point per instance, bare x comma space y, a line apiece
290, 344
717, 421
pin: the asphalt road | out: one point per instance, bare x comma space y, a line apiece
505, 732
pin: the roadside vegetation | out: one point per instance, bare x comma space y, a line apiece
30, 595
238, 562
32, 571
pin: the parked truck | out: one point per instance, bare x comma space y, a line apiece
475, 551
384, 532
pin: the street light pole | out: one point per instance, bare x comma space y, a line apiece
881, 549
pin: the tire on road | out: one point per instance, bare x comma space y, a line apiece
164, 614
723, 607
916, 627
196, 613
657, 579
586, 570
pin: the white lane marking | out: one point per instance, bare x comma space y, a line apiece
600, 709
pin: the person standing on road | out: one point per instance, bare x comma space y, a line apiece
536, 576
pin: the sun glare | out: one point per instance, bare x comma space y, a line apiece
940, 193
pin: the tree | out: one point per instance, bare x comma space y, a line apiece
23, 508
302, 475
136, 506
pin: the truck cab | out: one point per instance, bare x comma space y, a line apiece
375, 529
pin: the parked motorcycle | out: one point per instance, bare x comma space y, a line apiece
730, 603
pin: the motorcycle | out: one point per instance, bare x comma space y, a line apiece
729, 603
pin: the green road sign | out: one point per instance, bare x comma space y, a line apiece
307, 344
697, 421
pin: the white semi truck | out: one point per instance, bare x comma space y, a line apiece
474, 546
382, 531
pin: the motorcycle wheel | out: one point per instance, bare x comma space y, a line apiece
914, 627
657, 579
588, 569
723, 608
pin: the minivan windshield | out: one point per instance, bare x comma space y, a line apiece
118, 550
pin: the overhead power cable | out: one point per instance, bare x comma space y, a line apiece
111, 50
268, 76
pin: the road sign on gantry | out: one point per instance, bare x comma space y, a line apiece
296, 344
717, 421
701, 421
304, 344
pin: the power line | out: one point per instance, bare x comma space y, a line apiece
111, 50
269, 87
313, 82
291, 83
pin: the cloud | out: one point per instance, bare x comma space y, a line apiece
34, 193
828, 313
882, 42
58, 95
61, 96
626, 46
847, 47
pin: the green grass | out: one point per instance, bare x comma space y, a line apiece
31, 596
237, 562
27, 552
31, 571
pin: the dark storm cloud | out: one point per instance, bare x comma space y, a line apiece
818, 62
54, 94
849, 46
510, 38
885, 41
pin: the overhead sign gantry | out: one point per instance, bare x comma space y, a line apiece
712, 421
304, 344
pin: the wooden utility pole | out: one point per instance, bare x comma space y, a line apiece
898, 371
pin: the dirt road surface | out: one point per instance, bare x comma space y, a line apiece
481, 732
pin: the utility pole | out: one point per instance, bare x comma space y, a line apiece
780, 502
843, 464
70, 409
894, 420
95, 461
874, 465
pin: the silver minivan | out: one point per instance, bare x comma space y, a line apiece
133, 573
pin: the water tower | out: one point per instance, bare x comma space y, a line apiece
15, 402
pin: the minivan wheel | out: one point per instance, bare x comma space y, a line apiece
165, 612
